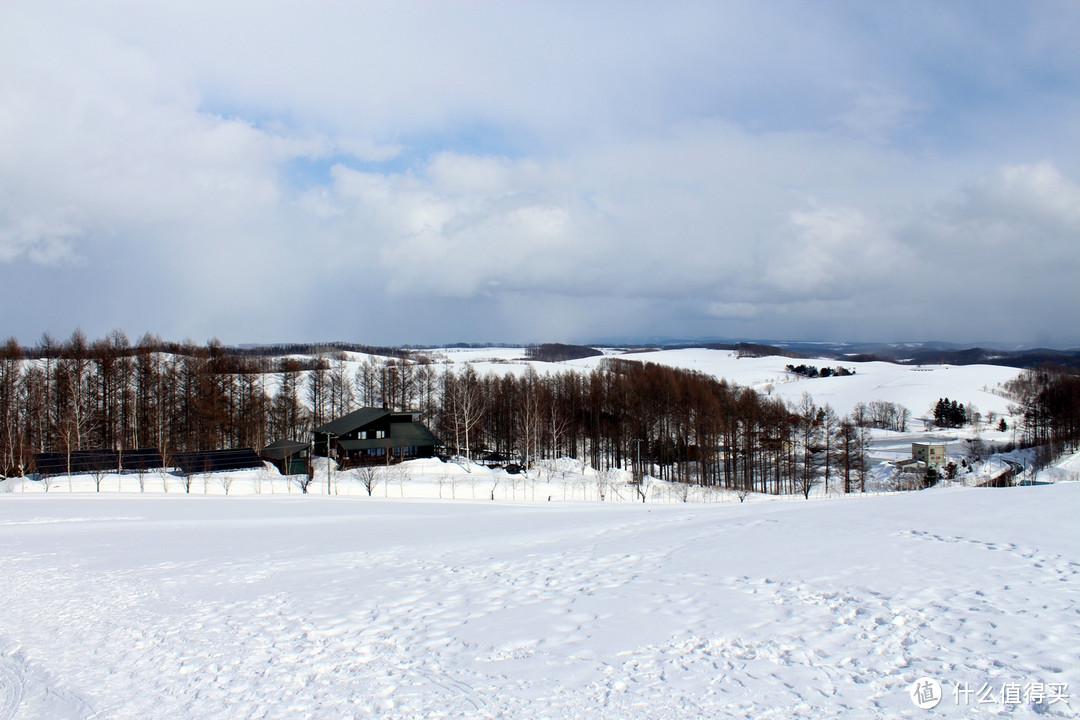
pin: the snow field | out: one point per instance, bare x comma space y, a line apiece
915, 387
283, 607
458, 479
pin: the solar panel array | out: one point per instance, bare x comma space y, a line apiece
206, 461
145, 459
80, 462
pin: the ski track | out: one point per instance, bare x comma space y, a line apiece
532, 630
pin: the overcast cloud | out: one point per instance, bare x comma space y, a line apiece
414, 172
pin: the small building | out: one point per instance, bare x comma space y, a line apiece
288, 456
933, 454
374, 435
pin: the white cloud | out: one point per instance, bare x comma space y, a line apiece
1035, 195
878, 112
683, 162
42, 240
832, 251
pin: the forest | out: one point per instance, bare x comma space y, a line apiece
1049, 398
673, 424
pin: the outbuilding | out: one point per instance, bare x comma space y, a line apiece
288, 456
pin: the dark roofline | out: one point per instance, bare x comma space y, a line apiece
350, 422
282, 449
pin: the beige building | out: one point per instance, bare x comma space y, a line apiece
933, 454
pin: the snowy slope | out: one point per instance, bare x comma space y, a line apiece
286, 607
916, 388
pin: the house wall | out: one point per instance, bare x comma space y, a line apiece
929, 453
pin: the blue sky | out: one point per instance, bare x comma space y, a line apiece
429, 172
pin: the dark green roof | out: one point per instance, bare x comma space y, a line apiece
282, 449
352, 421
412, 433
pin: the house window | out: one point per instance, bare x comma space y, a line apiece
380, 433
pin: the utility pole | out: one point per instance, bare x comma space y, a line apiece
328, 485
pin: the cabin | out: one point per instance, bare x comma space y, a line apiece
288, 456
374, 435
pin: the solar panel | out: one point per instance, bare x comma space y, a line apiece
80, 462
142, 459
77, 462
89, 461
207, 461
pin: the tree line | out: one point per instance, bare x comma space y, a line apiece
1049, 404
676, 425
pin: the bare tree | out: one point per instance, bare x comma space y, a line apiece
98, 473
341, 390
262, 476
529, 415
11, 360
163, 471
226, 480
400, 474
186, 479
289, 418
847, 438
427, 387
318, 393
682, 491
642, 488
302, 481
605, 481
829, 423
368, 476
467, 405
808, 426
366, 382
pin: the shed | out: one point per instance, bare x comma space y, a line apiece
288, 456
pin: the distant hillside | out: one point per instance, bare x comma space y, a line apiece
1025, 359
558, 352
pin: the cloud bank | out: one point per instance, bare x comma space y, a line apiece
433, 172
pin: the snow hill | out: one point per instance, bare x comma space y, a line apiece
915, 387
180, 606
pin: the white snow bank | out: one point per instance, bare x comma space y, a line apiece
183, 606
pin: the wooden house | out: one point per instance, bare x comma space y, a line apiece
374, 435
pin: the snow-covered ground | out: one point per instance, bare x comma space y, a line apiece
428, 599
187, 606
915, 387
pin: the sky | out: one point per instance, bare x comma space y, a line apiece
436, 172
